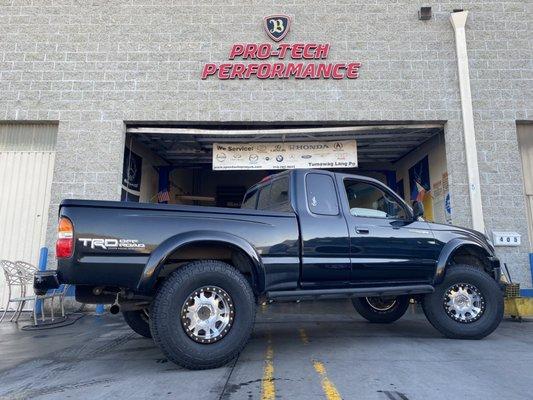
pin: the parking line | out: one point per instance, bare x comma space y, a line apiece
328, 387
268, 388
303, 336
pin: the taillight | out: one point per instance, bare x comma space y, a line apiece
65, 238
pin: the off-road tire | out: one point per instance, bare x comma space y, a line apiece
433, 304
138, 321
166, 326
373, 315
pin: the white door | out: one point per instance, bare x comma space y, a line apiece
26, 167
525, 140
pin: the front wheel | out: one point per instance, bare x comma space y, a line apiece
468, 304
382, 310
203, 314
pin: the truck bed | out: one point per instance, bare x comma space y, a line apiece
139, 228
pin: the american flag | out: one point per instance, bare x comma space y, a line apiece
421, 192
418, 191
163, 196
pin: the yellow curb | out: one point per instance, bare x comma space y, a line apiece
519, 307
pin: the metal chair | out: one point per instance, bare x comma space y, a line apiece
17, 280
13, 281
19, 275
28, 270
27, 267
60, 293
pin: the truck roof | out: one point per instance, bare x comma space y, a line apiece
269, 178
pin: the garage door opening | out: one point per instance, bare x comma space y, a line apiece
174, 163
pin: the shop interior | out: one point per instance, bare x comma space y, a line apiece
172, 163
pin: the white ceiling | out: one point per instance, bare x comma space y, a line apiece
185, 146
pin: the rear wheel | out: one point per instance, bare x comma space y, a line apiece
381, 309
203, 314
468, 304
139, 321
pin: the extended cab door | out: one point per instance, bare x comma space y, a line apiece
386, 245
323, 231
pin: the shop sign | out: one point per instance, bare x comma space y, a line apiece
284, 155
289, 60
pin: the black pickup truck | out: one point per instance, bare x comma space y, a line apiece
191, 276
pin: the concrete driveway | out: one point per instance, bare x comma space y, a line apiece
305, 351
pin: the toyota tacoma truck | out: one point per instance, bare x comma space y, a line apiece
190, 277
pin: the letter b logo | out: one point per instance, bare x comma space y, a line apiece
277, 26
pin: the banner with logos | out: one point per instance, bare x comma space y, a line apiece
285, 155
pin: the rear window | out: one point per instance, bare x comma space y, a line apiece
250, 199
264, 198
274, 196
321, 196
279, 193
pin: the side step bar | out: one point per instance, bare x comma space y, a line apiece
349, 292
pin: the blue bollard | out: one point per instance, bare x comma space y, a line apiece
531, 264
528, 292
99, 309
43, 259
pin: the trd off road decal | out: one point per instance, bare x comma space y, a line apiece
111, 244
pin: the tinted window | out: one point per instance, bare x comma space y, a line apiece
249, 200
321, 197
264, 197
275, 196
367, 200
279, 193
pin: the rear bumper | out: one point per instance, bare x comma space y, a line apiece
44, 281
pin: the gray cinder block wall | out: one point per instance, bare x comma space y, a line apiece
92, 65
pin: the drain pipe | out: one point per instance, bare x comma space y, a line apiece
458, 21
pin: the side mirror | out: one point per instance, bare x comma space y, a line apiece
418, 209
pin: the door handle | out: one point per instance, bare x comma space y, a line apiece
362, 231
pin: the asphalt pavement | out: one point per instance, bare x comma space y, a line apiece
310, 350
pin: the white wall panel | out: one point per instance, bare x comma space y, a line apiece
26, 170
525, 140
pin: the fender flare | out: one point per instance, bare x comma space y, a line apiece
161, 254
448, 252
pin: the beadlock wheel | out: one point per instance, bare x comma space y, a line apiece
203, 314
467, 304
382, 310
145, 315
207, 314
381, 303
464, 303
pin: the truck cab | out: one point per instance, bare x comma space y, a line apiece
357, 232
